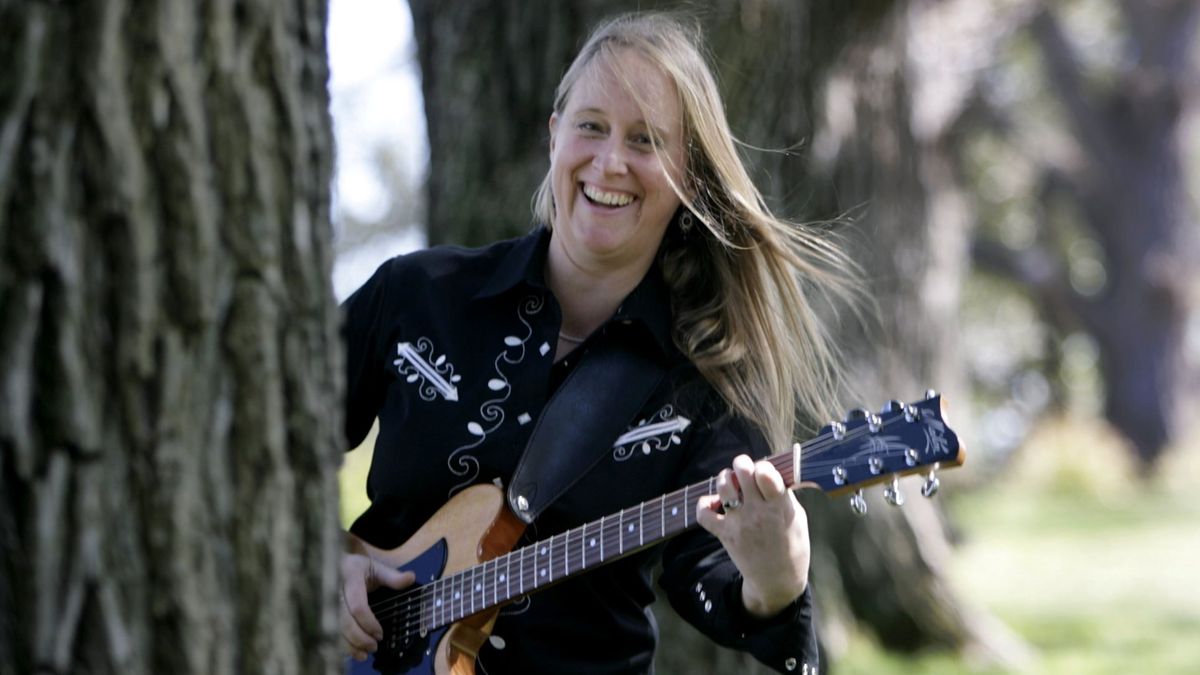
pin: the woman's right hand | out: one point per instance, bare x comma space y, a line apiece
360, 575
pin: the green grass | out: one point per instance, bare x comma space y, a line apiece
1098, 572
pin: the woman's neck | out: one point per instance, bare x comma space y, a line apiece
588, 297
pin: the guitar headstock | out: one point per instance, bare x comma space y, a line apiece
869, 448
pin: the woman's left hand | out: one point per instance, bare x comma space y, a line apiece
765, 531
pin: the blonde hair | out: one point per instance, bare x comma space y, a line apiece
745, 285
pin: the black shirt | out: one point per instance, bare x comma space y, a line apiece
452, 349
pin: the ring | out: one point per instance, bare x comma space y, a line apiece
729, 506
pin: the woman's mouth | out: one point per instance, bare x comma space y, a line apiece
606, 198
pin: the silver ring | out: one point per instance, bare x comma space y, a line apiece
729, 506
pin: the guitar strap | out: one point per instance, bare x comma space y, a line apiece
576, 428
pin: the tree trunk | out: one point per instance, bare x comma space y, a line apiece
170, 423
775, 61
1123, 191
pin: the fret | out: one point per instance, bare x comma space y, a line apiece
663, 515
521, 570
602, 538
583, 547
621, 533
567, 555
496, 581
641, 524
686, 501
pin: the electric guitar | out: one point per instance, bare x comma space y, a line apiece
465, 568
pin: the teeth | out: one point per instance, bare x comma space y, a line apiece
607, 198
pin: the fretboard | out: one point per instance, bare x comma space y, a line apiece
567, 554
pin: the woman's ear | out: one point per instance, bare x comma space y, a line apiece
553, 125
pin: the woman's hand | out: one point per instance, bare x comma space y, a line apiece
360, 575
765, 531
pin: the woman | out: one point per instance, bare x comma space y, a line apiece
654, 239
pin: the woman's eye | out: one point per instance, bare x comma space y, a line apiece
590, 127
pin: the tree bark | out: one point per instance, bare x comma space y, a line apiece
169, 407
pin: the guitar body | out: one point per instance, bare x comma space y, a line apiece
474, 526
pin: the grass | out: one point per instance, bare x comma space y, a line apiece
1097, 571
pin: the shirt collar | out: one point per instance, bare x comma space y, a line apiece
525, 263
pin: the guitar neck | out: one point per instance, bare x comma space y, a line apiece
865, 450
570, 553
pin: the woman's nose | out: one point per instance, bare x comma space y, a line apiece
611, 158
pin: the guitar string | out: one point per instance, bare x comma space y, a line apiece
559, 545
552, 548
457, 609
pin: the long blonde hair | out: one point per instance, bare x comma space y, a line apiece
745, 285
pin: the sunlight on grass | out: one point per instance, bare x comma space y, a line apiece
1096, 569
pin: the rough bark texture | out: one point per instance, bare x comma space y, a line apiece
169, 416
489, 82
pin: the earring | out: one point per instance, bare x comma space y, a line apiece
686, 222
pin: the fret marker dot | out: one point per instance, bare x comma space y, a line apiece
501, 577
592, 543
543, 550
674, 510
457, 595
438, 602
543, 571
478, 587
631, 528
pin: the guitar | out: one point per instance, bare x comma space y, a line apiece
465, 568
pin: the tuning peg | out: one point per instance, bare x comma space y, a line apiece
892, 406
873, 421
931, 393
858, 503
892, 493
931, 485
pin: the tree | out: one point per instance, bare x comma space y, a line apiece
489, 78
169, 395
1116, 258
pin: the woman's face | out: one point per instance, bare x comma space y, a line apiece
612, 198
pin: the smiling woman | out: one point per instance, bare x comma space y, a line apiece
655, 257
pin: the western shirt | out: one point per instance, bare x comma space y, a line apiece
452, 349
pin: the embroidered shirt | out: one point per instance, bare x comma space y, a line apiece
453, 350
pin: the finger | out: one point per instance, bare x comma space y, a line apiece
743, 472
727, 490
769, 481
358, 642
708, 514
382, 575
354, 598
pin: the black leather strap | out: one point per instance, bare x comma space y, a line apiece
592, 405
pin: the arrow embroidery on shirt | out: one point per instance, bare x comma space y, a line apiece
651, 436
433, 373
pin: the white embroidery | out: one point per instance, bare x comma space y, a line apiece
436, 375
658, 432
491, 411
